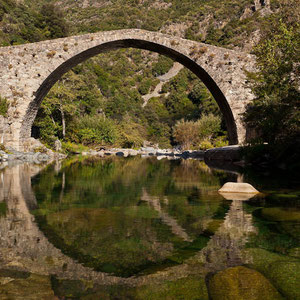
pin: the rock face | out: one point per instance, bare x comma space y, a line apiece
237, 187
241, 283
29, 71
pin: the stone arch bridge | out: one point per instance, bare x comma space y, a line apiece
27, 73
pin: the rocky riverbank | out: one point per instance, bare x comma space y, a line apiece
147, 151
12, 156
225, 154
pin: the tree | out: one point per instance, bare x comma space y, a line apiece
275, 111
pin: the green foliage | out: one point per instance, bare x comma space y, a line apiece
209, 126
202, 133
70, 147
275, 112
30, 23
163, 65
144, 86
186, 134
3, 106
40, 149
205, 144
97, 130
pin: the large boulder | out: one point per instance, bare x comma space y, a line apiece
34, 287
280, 214
241, 283
238, 187
286, 277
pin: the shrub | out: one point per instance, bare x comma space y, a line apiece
163, 65
3, 106
209, 126
40, 149
221, 141
144, 86
93, 130
204, 145
73, 148
186, 133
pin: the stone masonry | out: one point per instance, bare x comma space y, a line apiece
27, 73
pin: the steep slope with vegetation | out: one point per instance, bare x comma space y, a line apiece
100, 101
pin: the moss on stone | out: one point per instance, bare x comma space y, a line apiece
185, 288
34, 287
294, 252
241, 283
286, 277
279, 214
260, 259
213, 226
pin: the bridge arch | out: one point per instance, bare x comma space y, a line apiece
30, 71
139, 44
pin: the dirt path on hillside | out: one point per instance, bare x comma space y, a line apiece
163, 79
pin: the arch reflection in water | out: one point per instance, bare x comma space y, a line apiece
164, 211
170, 207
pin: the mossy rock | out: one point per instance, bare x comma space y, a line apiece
286, 277
294, 252
260, 259
185, 288
34, 287
213, 226
241, 283
280, 214
71, 288
291, 228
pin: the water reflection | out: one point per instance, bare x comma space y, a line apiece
170, 208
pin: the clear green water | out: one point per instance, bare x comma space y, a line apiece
142, 228
129, 216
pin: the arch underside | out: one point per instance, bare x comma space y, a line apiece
139, 44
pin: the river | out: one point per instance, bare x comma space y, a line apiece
142, 228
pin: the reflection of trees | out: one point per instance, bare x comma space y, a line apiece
24, 246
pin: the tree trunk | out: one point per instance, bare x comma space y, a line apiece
63, 122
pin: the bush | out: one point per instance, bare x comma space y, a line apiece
204, 145
73, 148
3, 106
94, 130
209, 126
163, 65
221, 141
144, 86
186, 133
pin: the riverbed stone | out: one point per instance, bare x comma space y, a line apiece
260, 259
238, 187
34, 287
191, 288
241, 283
294, 252
280, 214
286, 277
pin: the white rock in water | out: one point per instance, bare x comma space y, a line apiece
236, 187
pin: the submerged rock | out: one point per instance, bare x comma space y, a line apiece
192, 288
240, 283
286, 277
294, 252
237, 187
280, 214
34, 287
261, 259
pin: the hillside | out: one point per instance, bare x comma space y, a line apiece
101, 100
